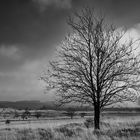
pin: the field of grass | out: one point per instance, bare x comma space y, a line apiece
112, 128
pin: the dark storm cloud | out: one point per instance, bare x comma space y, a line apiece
34, 26
31, 30
21, 22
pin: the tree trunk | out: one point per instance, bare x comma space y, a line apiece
96, 117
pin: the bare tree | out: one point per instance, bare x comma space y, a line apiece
26, 114
70, 112
38, 114
92, 66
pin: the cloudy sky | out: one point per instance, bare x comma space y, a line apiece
31, 29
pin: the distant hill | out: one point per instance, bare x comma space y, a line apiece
50, 105
35, 104
26, 104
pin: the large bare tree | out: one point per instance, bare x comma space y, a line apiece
92, 66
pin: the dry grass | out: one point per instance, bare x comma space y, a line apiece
111, 129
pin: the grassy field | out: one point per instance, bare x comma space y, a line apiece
112, 128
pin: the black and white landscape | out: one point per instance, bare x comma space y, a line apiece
69, 70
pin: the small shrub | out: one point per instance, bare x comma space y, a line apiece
82, 114
79, 131
7, 122
45, 134
89, 122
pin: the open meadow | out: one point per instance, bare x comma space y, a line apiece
112, 128
69, 69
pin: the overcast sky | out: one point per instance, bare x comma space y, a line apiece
31, 29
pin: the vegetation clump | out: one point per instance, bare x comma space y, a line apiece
89, 122
45, 134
